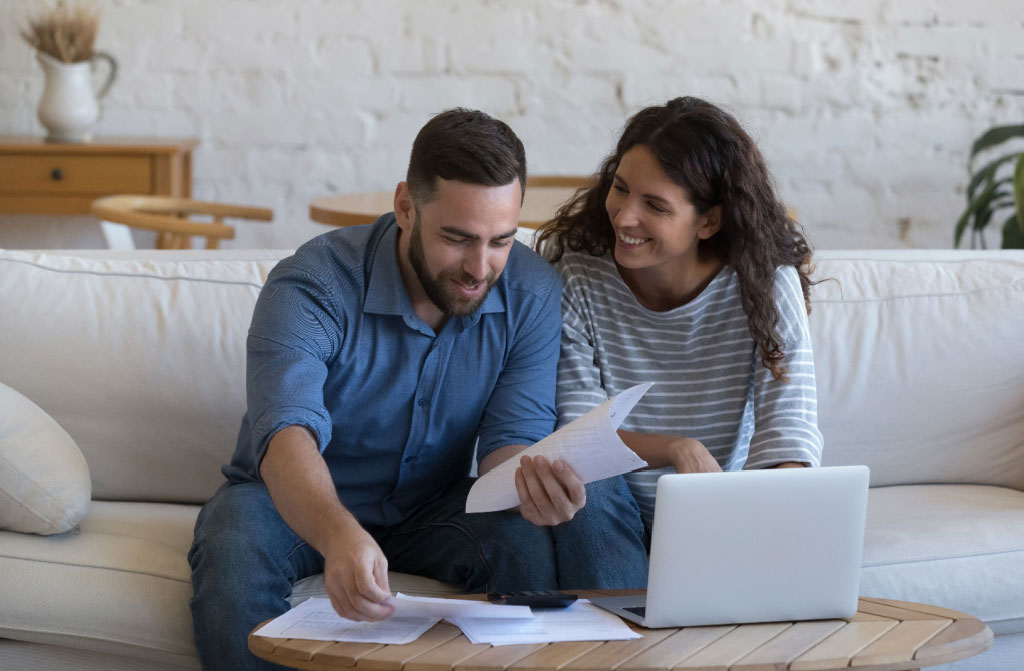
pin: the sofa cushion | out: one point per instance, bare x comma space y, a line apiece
919, 354
957, 546
44, 480
120, 585
144, 360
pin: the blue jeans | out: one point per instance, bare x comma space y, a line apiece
245, 558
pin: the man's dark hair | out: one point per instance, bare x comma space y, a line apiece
467, 146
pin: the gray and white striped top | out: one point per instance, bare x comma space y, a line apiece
709, 381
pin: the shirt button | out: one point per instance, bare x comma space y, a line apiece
422, 402
409, 460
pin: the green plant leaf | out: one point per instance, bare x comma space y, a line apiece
1013, 236
984, 216
1018, 192
989, 171
981, 203
994, 136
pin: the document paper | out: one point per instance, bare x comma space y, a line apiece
581, 621
315, 619
425, 606
589, 444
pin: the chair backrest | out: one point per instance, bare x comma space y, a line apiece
571, 181
169, 217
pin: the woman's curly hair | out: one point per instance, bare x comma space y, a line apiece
704, 150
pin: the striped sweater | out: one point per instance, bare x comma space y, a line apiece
709, 381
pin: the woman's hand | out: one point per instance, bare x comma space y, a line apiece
690, 456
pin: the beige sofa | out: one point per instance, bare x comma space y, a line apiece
140, 357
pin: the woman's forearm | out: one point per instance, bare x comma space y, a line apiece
686, 455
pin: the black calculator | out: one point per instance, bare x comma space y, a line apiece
534, 599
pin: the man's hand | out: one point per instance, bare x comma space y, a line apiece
355, 569
356, 577
549, 494
690, 456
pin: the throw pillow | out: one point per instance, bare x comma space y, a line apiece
44, 480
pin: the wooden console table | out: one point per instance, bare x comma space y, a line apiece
884, 635
39, 177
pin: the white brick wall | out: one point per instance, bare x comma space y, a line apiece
865, 108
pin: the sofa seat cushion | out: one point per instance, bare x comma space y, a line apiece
956, 546
121, 585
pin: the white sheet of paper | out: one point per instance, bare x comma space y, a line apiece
588, 443
315, 619
425, 606
581, 621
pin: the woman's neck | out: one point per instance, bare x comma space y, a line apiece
665, 288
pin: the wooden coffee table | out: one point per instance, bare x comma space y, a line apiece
884, 635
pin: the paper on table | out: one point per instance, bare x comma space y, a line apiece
589, 444
425, 606
581, 621
315, 619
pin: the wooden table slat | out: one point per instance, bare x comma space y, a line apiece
265, 644
613, 653
678, 646
447, 655
345, 654
776, 654
886, 610
961, 638
394, 657
925, 608
894, 645
301, 649
838, 649
738, 643
868, 617
498, 658
554, 656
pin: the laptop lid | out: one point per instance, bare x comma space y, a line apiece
756, 546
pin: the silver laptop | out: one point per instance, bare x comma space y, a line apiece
752, 546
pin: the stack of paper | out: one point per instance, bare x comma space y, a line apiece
480, 622
315, 619
581, 621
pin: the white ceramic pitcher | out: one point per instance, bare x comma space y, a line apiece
69, 107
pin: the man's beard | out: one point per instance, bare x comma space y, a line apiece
438, 289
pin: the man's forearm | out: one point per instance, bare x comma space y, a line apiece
302, 490
499, 455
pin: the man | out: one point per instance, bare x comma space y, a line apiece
377, 356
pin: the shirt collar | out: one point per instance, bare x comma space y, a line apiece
386, 292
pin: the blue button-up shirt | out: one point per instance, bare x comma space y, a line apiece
335, 346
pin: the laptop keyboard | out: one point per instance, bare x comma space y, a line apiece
637, 610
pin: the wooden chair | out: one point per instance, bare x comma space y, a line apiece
169, 217
571, 181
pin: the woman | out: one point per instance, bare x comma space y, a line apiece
680, 266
